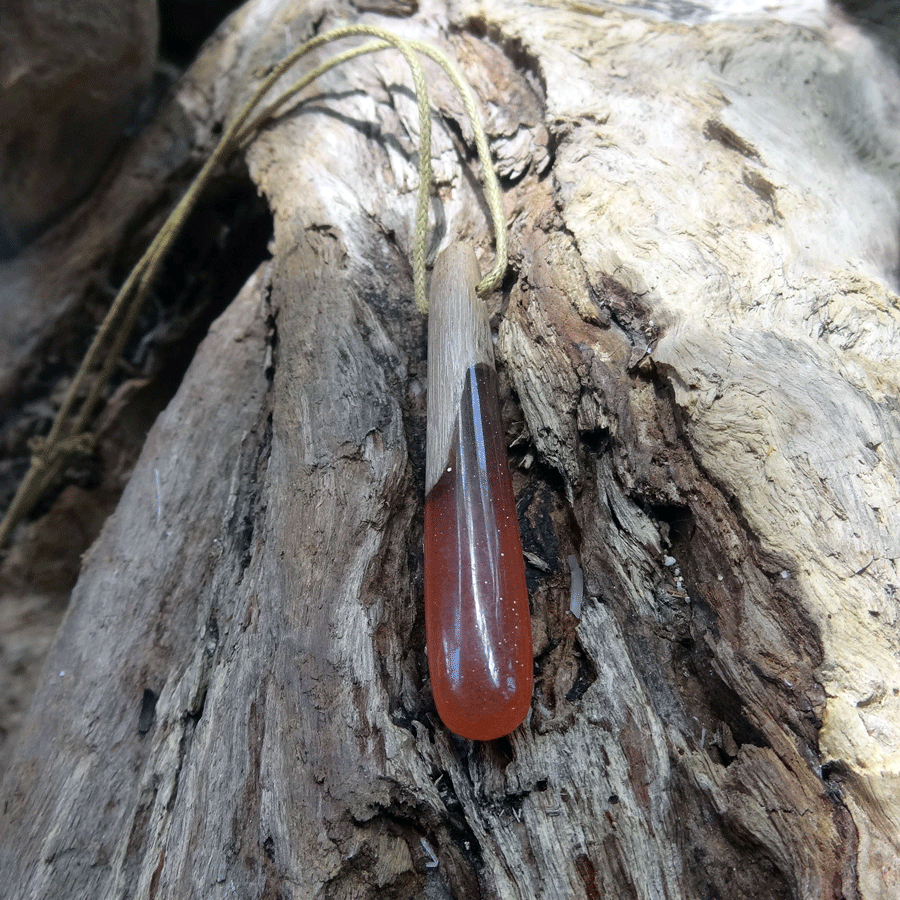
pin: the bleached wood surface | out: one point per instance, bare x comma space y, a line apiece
700, 340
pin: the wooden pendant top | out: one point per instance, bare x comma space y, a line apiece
459, 337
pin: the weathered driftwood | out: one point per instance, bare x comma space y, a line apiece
698, 337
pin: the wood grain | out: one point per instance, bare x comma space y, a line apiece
697, 355
459, 337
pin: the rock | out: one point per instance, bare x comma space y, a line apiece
72, 75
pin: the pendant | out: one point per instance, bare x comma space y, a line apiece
477, 621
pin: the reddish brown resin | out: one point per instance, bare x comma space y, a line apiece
477, 620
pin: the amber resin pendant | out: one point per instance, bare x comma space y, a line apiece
477, 621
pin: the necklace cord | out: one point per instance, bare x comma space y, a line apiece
68, 435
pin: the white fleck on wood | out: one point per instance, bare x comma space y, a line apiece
459, 337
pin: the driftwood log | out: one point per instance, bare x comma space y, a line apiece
698, 343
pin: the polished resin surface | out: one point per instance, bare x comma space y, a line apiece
478, 626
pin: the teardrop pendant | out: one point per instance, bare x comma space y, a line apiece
477, 619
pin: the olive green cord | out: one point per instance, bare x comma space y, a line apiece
68, 435
492, 280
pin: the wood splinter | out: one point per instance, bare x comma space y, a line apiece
478, 628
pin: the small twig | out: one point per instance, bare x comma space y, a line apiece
577, 595
433, 862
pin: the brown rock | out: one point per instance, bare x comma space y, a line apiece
71, 77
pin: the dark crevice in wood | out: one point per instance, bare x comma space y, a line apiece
679, 524
594, 441
247, 508
498, 753
148, 711
459, 832
538, 506
585, 677
724, 702
271, 338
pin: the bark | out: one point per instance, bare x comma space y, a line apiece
696, 346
